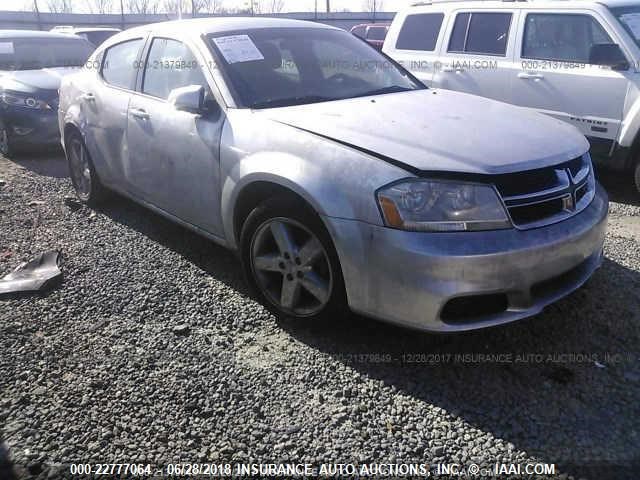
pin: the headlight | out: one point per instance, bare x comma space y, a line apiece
441, 206
19, 100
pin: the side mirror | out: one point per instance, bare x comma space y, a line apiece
608, 55
188, 99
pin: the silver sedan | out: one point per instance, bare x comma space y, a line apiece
339, 179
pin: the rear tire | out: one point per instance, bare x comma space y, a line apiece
83, 175
6, 149
636, 175
290, 263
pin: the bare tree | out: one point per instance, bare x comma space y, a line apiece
142, 6
173, 6
193, 7
373, 5
244, 7
271, 6
209, 6
60, 6
101, 6
268, 6
29, 6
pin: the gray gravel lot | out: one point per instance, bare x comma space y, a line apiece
151, 351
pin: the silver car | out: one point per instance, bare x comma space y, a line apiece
339, 179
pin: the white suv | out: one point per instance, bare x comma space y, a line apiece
578, 61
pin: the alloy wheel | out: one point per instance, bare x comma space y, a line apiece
291, 267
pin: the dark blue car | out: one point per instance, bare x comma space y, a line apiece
32, 63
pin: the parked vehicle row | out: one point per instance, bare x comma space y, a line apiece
31, 67
372, 33
94, 35
338, 186
576, 60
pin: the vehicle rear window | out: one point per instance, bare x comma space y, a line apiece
119, 66
483, 33
98, 37
359, 31
561, 37
420, 32
44, 52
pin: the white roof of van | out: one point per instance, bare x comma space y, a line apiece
554, 4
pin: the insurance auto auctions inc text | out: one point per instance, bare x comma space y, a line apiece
341, 470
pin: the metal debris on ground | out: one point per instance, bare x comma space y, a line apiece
38, 274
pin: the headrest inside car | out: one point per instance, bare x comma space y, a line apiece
271, 55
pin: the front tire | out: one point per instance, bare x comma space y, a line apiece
83, 175
290, 262
636, 175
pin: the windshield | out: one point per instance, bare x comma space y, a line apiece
294, 66
629, 18
36, 53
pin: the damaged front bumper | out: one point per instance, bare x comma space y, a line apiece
450, 282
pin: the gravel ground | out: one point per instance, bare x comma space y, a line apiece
151, 351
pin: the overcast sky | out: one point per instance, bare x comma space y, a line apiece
81, 6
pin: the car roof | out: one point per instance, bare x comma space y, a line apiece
95, 29
377, 24
31, 34
511, 4
225, 24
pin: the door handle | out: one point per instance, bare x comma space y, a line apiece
89, 97
530, 76
452, 69
139, 113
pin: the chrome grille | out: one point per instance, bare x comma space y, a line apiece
540, 197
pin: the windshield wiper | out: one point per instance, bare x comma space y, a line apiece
382, 91
287, 102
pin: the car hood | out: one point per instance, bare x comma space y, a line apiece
34, 80
440, 130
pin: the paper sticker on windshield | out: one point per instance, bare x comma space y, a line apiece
238, 48
6, 48
632, 20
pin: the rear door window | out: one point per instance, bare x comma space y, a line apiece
420, 32
119, 64
484, 33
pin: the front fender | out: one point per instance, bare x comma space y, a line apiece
287, 171
70, 117
631, 121
335, 180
